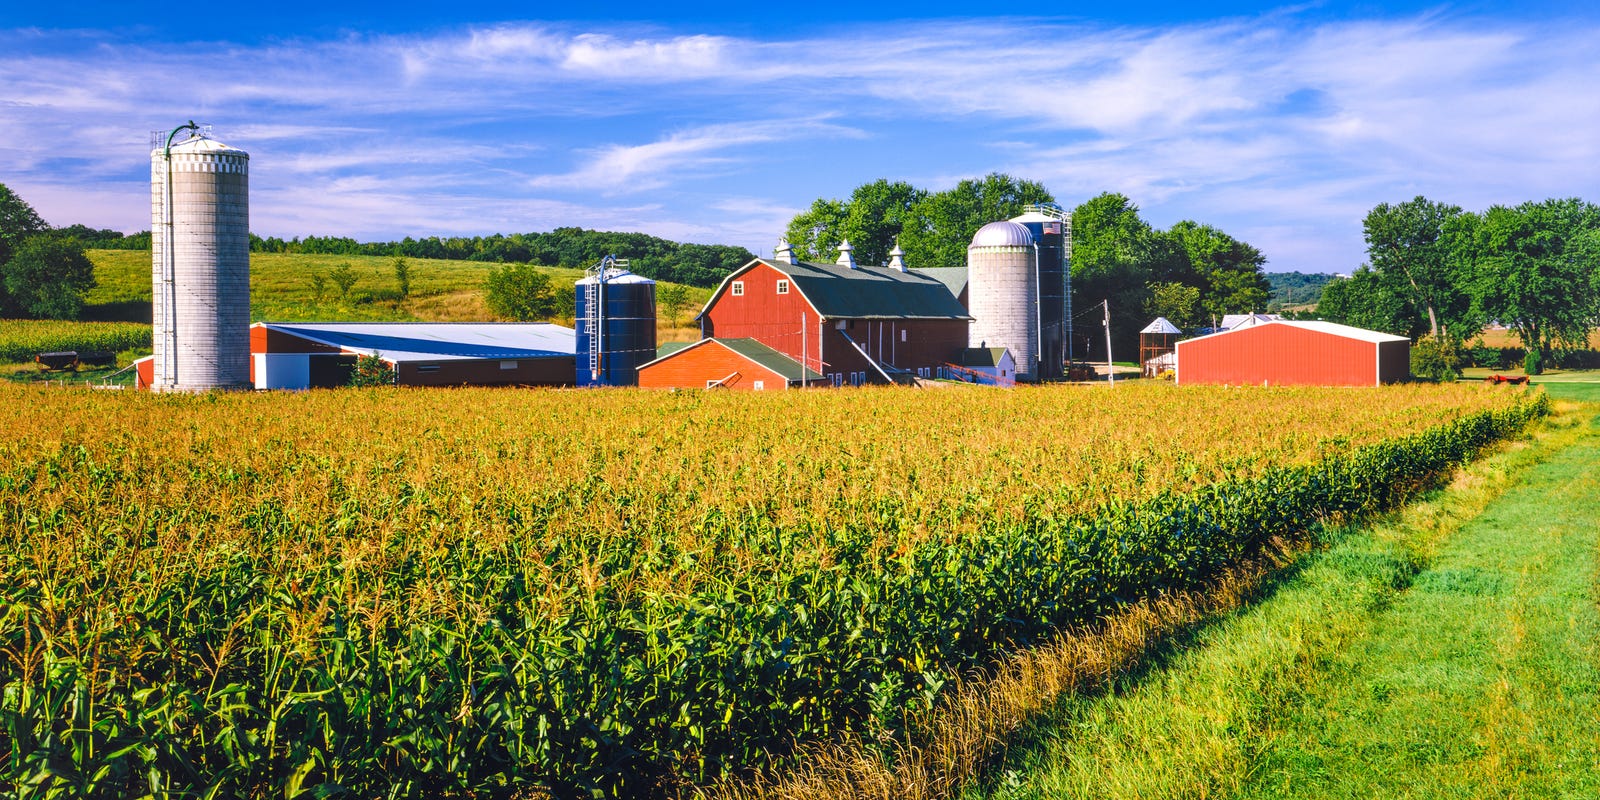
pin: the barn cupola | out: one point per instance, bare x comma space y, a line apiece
785, 253
897, 257
847, 256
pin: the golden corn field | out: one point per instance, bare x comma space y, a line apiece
492, 593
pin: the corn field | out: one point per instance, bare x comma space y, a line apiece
21, 339
609, 593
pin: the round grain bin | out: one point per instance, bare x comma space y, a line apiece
1048, 226
616, 324
200, 213
1003, 293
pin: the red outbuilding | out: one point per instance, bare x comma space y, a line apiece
742, 364
851, 323
1293, 353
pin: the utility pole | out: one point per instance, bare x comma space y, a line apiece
1111, 371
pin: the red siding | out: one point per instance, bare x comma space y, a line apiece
1285, 355
775, 320
691, 367
265, 340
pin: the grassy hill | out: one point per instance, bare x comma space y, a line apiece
281, 289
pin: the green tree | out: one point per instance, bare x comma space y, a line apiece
1180, 304
319, 285
402, 277
343, 277
1535, 271
18, 221
1226, 270
942, 223
816, 232
1116, 256
46, 277
1412, 248
521, 292
1364, 300
933, 229
673, 298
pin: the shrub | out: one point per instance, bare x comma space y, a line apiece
1533, 362
371, 370
1436, 358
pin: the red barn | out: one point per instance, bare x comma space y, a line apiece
851, 323
1285, 353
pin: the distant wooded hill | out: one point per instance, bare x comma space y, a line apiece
1296, 288
653, 257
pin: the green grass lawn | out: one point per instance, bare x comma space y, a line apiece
1451, 651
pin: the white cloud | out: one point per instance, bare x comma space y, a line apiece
1280, 125
618, 169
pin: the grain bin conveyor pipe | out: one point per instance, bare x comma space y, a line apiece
169, 266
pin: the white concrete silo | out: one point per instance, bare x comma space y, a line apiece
1003, 293
200, 211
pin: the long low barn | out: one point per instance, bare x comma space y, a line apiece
1295, 353
305, 355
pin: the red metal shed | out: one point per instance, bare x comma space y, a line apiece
725, 364
1293, 353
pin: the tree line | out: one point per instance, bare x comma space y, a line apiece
43, 272
1440, 274
650, 256
1189, 273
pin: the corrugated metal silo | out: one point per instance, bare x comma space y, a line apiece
200, 212
1048, 224
1003, 293
616, 327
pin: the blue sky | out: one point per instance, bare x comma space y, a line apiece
717, 122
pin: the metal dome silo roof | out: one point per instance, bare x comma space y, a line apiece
616, 279
202, 145
1002, 234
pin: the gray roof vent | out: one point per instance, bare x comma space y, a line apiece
785, 253
847, 256
897, 257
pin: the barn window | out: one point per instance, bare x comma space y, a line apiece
758, 385
738, 289
783, 287
902, 334
508, 365
428, 368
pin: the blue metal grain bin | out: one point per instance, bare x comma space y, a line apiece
616, 324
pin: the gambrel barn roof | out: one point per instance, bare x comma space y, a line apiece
842, 292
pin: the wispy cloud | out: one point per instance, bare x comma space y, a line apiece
620, 169
1285, 126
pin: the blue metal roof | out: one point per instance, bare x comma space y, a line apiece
438, 341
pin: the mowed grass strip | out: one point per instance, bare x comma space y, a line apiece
1453, 651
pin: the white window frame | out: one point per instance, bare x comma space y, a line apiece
737, 289
759, 386
783, 287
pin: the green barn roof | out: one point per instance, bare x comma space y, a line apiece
839, 292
